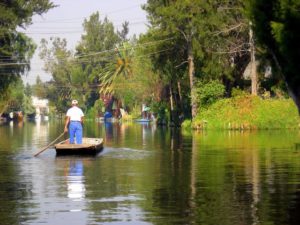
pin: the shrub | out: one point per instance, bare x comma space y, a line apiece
208, 93
187, 124
248, 112
235, 92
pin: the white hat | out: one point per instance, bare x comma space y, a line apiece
74, 102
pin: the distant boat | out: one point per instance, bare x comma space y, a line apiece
89, 146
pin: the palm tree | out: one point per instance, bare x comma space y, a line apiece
120, 65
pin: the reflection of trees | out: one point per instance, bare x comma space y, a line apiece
225, 178
111, 188
173, 188
111, 132
207, 178
19, 178
243, 182
13, 190
294, 209
168, 178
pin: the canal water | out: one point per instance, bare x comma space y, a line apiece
150, 175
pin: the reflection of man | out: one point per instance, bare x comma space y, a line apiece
74, 120
108, 131
76, 189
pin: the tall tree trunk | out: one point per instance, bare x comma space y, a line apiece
180, 97
192, 78
179, 91
171, 98
172, 111
254, 78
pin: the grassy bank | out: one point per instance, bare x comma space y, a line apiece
248, 112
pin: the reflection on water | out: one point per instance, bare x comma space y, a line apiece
150, 175
109, 134
75, 180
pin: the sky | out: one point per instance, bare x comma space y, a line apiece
65, 21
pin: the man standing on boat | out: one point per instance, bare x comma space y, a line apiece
74, 120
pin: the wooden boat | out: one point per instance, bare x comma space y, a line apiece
89, 146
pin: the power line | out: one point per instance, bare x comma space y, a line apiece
80, 58
124, 48
141, 56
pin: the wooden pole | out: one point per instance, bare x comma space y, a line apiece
43, 149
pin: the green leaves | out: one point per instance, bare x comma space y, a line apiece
16, 49
99, 59
119, 65
208, 41
208, 93
277, 31
248, 113
276, 25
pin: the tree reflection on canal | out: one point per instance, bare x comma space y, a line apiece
150, 175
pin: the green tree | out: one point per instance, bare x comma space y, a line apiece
16, 48
39, 89
97, 51
101, 55
79, 75
99, 36
27, 106
120, 64
28, 90
16, 95
203, 40
124, 32
176, 19
142, 85
58, 62
208, 93
276, 26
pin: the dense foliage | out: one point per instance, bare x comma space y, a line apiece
248, 112
205, 41
208, 93
276, 26
16, 48
194, 53
105, 63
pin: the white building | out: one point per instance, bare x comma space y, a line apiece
41, 107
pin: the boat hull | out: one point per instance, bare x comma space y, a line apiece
89, 146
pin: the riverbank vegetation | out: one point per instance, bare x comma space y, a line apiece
248, 113
222, 65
